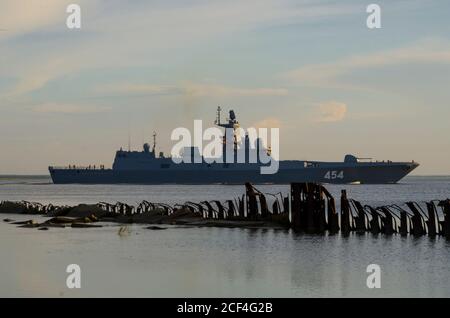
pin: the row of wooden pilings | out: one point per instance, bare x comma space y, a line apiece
310, 208
313, 210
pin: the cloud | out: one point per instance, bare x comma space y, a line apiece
433, 51
330, 112
271, 122
189, 89
23, 16
202, 90
130, 88
68, 108
167, 27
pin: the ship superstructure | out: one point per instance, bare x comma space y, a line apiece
148, 167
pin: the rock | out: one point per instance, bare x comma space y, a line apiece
30, 225
183, 213
60, 220
156, 228
43, 229
12, 207
55, 225
123, 231
85, 225
28, 222
84, 220
86, 210
8, 220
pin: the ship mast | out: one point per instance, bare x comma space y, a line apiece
217, 121
154, 142
231, 123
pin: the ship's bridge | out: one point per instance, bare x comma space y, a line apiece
138, 160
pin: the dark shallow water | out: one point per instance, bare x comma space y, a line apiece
194, 262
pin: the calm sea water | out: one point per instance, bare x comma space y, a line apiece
208, 262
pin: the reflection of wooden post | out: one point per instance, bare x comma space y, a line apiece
345, 213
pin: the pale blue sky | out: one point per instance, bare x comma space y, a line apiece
311, 67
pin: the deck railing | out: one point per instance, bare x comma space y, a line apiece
74, 167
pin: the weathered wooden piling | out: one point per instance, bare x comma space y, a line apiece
360, 218
296, 209
345, 214
309, 203
241, 206
374, 223
210, 209
333, 216
431, 222
446, 223
403, 229
252, 203
220, 210
417, 222
388, 222
231, 211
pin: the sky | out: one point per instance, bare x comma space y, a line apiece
311, 68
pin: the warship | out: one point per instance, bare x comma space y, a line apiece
148, 167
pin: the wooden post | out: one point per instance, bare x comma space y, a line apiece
431, 223
345, 213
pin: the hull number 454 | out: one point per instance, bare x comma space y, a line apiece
332, 175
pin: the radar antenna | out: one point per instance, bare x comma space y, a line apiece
231, 122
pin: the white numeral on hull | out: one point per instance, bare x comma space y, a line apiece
333, 175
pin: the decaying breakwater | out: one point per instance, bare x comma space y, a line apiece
308, 208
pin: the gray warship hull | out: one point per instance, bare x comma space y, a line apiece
333, 173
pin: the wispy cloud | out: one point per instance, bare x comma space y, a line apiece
68, 108
330, 112
23, 16
330, 74
270, 122
131, 88
168, 27
190, 89
201, 90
